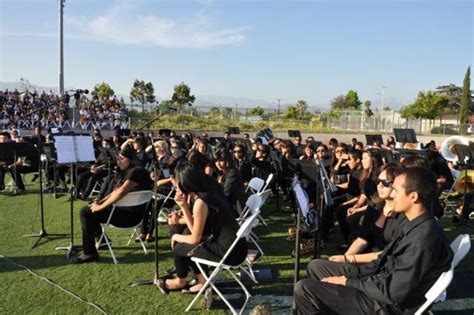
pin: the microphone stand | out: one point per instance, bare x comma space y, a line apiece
155, 221
147, 124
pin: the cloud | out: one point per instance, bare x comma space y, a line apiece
119, 26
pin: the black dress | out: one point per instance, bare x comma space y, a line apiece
221, 227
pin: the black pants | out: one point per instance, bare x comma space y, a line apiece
90, 223
208, 251
315, 297
16, 175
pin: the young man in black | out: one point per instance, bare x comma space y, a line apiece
397, 281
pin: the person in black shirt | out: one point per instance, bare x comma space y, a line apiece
242, 163
211, 224
379, 224
230, 179
132, 178
397, 281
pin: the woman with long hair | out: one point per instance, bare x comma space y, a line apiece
230, 179
380, 223
131, 177
211, 224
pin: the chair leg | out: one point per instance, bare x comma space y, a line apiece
247, 293
108, 245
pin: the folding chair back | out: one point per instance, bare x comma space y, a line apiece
268, 181
253, 203
460, 246
437, 290
255, 185
265, 194
134, 198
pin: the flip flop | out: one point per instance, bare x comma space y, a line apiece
161, 283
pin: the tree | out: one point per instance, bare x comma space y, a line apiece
214, 111
292, 112
182, 96
338, 103
166, 106
427, 105
454, 93
464, 111
368, 111
352, 100
256, 111
142, 92
102, 91
301, 107
227, 112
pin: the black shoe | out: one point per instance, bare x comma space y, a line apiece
34, 178
88, 258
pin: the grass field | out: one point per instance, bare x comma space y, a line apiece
107, 285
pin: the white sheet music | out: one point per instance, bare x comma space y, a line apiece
302, 198
84, 148
65, 149
72, 149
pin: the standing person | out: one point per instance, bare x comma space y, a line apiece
132, 178
211, 224
397, 281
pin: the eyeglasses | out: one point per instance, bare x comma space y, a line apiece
384, 182
174, 148
237, 151
339, 151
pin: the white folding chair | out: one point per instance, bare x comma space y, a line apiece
437, 293
460, 246
455, 174
131, 199
253, 203
438, 288
255, 185
243, 232
268, 181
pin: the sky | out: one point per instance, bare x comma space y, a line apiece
260, 49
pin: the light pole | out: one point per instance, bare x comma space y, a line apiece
61, 47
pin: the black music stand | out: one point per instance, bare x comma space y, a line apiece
294, 133
71, 248
405, 135
10, 151
372, 139
234, 130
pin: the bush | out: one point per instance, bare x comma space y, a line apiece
444, 131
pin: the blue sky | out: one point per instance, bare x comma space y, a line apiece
311, 50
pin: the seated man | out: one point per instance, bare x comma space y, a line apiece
396, 282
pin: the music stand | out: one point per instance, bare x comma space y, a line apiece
294, 133
372, 139
234, 130
405, 135
73, 149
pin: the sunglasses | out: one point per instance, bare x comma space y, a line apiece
174, 147
339, 151
320, 151
384, 182
237, 151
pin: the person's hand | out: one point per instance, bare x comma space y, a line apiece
337, 258
351, 211
341, 280
181, 198
95, 207
173, 241
173, 218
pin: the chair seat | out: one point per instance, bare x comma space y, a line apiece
213, 263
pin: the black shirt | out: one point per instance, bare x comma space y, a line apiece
353, 188
407, 268
379, 237
139, 176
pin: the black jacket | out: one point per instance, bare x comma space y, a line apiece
407, 268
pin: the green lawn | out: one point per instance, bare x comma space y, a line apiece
107, 285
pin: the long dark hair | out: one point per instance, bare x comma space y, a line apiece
122, 174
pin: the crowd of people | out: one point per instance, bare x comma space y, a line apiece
385, 206
27, 110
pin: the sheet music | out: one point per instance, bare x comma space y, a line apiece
302, 199
65, 149
84, 149
72, 149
